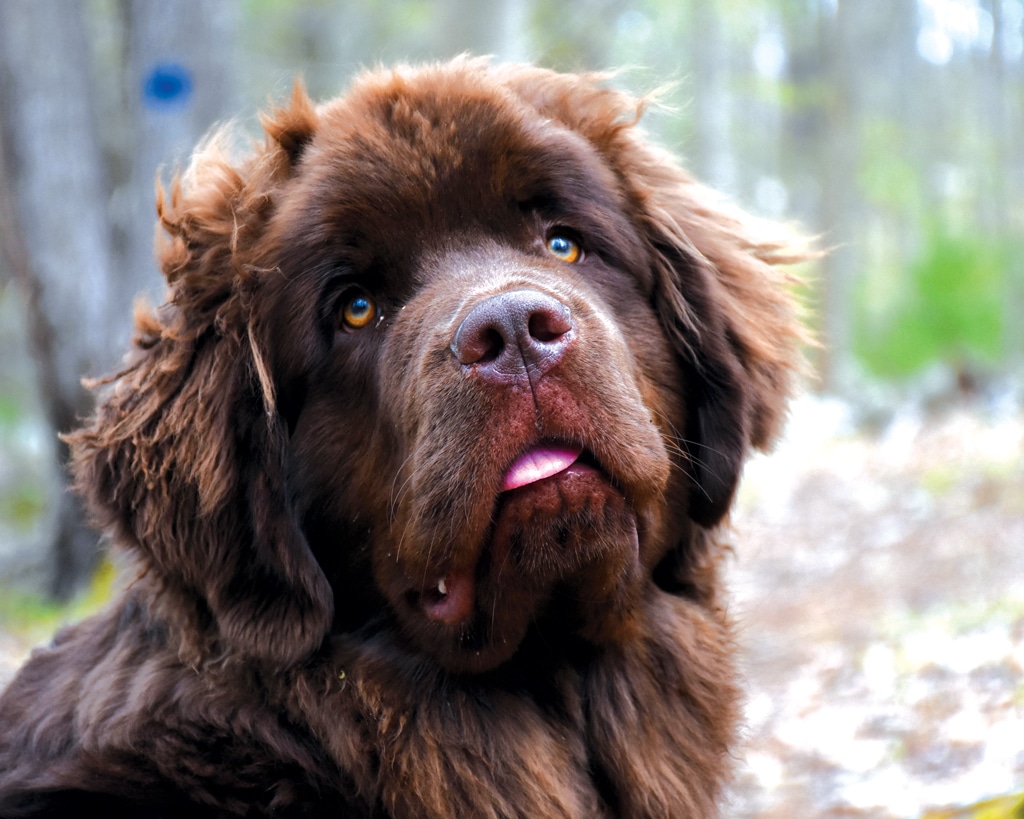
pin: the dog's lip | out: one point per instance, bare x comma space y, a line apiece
451, 600
540, 461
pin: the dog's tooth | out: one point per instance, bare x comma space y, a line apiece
442, 587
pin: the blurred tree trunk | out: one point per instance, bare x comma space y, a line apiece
838, 35
81, 253
178, 82
1002, 107
712, 151
497, 28
58, 241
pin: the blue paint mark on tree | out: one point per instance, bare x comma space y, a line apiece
167, 85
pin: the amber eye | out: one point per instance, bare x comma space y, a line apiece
564, 249
358, 310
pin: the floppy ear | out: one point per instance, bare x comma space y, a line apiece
184, 462
724, 303
730, 313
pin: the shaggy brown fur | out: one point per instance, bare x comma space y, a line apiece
417, 472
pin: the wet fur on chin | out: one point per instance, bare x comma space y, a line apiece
336, 607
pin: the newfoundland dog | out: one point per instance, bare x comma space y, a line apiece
417, 474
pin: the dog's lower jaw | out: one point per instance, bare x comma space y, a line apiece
583, 563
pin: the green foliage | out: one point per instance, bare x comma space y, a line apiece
1006, 807
23, 505
33, 616
948, 308
24, 488
887, 178
10, 411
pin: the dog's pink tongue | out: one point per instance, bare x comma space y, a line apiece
539, 463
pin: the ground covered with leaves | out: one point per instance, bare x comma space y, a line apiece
878, 585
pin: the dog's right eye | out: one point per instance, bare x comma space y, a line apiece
358, 309
564, 249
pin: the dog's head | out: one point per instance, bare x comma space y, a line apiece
459, 352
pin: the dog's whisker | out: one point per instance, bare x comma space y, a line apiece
396, 496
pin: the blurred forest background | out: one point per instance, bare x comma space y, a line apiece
891, 130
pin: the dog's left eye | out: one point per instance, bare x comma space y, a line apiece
564, 249
358, 310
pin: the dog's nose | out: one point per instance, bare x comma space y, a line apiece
514, 333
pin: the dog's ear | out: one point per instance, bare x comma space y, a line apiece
730, 312
724, 302
185, 460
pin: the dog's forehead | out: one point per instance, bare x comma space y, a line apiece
391, 181
425, 152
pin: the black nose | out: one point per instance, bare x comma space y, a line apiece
511, 334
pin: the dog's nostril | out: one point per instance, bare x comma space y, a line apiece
549, 325
491, 344
477, 343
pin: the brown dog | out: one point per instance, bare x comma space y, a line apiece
418, 472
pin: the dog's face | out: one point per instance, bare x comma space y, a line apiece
508, 358
480, 396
